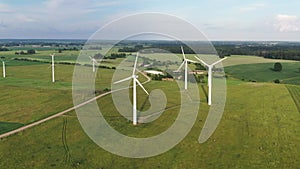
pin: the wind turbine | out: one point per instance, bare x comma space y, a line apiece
185, 63
135, 81
93, 60
210, 67
3, 66
4, 73
53, 78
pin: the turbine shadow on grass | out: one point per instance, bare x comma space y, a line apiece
144, 103
205, 92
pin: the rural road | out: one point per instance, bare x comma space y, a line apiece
64, 112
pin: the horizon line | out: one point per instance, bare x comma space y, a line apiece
212, 40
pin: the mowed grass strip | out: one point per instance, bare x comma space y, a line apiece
295, 93
8, 126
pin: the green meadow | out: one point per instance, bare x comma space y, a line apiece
265, 136
259, 128
262, 72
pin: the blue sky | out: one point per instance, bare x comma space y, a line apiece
217, 19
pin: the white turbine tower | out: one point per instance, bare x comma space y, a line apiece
4, 73
93, 60
135, 81
210, 67
185, 63
53, 78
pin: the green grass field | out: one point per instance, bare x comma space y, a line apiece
263, 72
242, 59
27, 93
266, 136
295, 93
259, 129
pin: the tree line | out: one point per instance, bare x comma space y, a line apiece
278, 51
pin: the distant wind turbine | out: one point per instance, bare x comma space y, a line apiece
53, 78
210, 67
3, 66
4, 73
93, 60
185, 63
135, 81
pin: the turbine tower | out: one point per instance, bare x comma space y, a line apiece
4, 73
3, 66
53, 78
210, 67
93, 60
135, 82
185, 63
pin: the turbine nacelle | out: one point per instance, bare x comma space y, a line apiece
185, 64
210, 67
134, 77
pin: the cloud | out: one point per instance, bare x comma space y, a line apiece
252, 7
5, 9
23, 18
287, 23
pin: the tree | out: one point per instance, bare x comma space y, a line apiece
277, 67
30, 51
276, 81
3, 49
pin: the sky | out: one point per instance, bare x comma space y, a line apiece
218, 19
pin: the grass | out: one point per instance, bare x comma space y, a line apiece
8, 126
25, 105
295, 93
264, 137
259, 128
242, 59
263, 72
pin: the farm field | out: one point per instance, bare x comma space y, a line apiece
243, 59
295, 93
258, 129
252, 138
263, 72
27, 93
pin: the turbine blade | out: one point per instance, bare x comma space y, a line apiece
138, 71
202, 61
134, 67
123, 80
142, 86
219, 61
191, 61
180, 66
183, 53
97, 61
